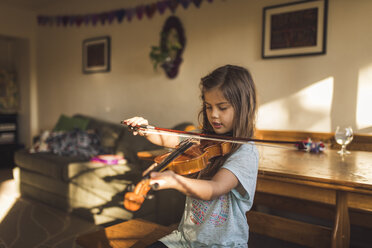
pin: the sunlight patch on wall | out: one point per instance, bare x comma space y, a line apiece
305, 110
364, 99
273, 115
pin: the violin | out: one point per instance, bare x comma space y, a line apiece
187, 159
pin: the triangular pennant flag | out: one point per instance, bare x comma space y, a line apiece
197, 3
103, 17
185, 3
79, 20
53, 20
120, 15
129, 14
162, 6
87, 19
72, 20
172, 4
65, 20
150, 10
40, 20
95, 18
59, 20
139, 11
111, 16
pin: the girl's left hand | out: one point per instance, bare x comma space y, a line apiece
164, 180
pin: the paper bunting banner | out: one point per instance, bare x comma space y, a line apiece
119, 15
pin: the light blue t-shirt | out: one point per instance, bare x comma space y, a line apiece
220, 222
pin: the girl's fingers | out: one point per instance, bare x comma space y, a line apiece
136, 121
158, 184
162, 180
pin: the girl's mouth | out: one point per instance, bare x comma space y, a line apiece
217, 125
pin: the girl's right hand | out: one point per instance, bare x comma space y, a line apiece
154, 137
136, 121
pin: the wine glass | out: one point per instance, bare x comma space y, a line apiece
343, 136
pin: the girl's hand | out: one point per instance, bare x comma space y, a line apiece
164, 180
136, 121
155, 137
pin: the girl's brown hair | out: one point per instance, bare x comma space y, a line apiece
237, 86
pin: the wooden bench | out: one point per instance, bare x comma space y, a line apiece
136, 233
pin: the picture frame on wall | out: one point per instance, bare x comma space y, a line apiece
294, 29
96, 54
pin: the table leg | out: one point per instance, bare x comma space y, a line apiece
341, 228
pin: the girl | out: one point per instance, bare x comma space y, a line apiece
218, 199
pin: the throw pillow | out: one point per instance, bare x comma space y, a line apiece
66, 123
83, 144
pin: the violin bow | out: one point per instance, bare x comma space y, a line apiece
148, 129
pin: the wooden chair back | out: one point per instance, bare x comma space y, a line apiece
361, 142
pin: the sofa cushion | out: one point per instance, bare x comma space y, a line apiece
66, 123
107, 131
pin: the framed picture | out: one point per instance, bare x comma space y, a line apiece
96, 55
294, 29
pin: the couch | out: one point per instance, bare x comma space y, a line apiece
95, 191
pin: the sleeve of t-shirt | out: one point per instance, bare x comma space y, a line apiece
244, 165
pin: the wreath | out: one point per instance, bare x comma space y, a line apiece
172, 43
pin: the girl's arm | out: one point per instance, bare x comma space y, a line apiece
157, 139
223, 182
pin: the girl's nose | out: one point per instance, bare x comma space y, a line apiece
214, 113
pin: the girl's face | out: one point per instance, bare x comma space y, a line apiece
220, 112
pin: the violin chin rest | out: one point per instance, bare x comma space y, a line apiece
133, 201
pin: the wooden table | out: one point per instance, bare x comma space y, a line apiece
331, 183
325, 185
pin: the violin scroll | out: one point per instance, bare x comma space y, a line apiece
133, 200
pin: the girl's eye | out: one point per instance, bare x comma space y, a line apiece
222, 109
208, 107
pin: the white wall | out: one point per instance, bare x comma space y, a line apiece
18, 28
313, 93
